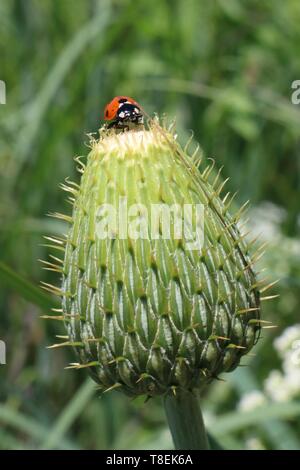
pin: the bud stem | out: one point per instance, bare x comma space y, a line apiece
185, 421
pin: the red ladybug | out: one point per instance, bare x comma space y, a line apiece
123, 111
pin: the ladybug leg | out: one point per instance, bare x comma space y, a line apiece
112, 124
118, 124
122, 126
138, 119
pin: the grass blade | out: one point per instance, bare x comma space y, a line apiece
68, 416
232, 422
27, 425
25, 288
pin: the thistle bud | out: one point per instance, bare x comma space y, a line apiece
158, 287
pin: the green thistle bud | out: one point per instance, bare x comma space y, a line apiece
148, 314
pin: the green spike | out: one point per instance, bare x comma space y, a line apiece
53, 317
269, 297
265, 288
66, 344
113, 387
217, 177
77, 365
189, 141
221, 187
205, 174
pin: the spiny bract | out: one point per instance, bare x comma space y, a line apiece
149, 315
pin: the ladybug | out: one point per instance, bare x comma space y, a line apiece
123, 111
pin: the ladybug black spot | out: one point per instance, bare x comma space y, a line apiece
106, 114
122, 100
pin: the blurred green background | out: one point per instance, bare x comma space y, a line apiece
223, 68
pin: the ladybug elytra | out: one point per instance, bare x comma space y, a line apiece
123, 111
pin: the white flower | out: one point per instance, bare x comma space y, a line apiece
253, 443
291, 361
276, 387
266, 219
287, 340
292, 380
252, 400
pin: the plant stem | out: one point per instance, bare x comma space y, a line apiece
185, 421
